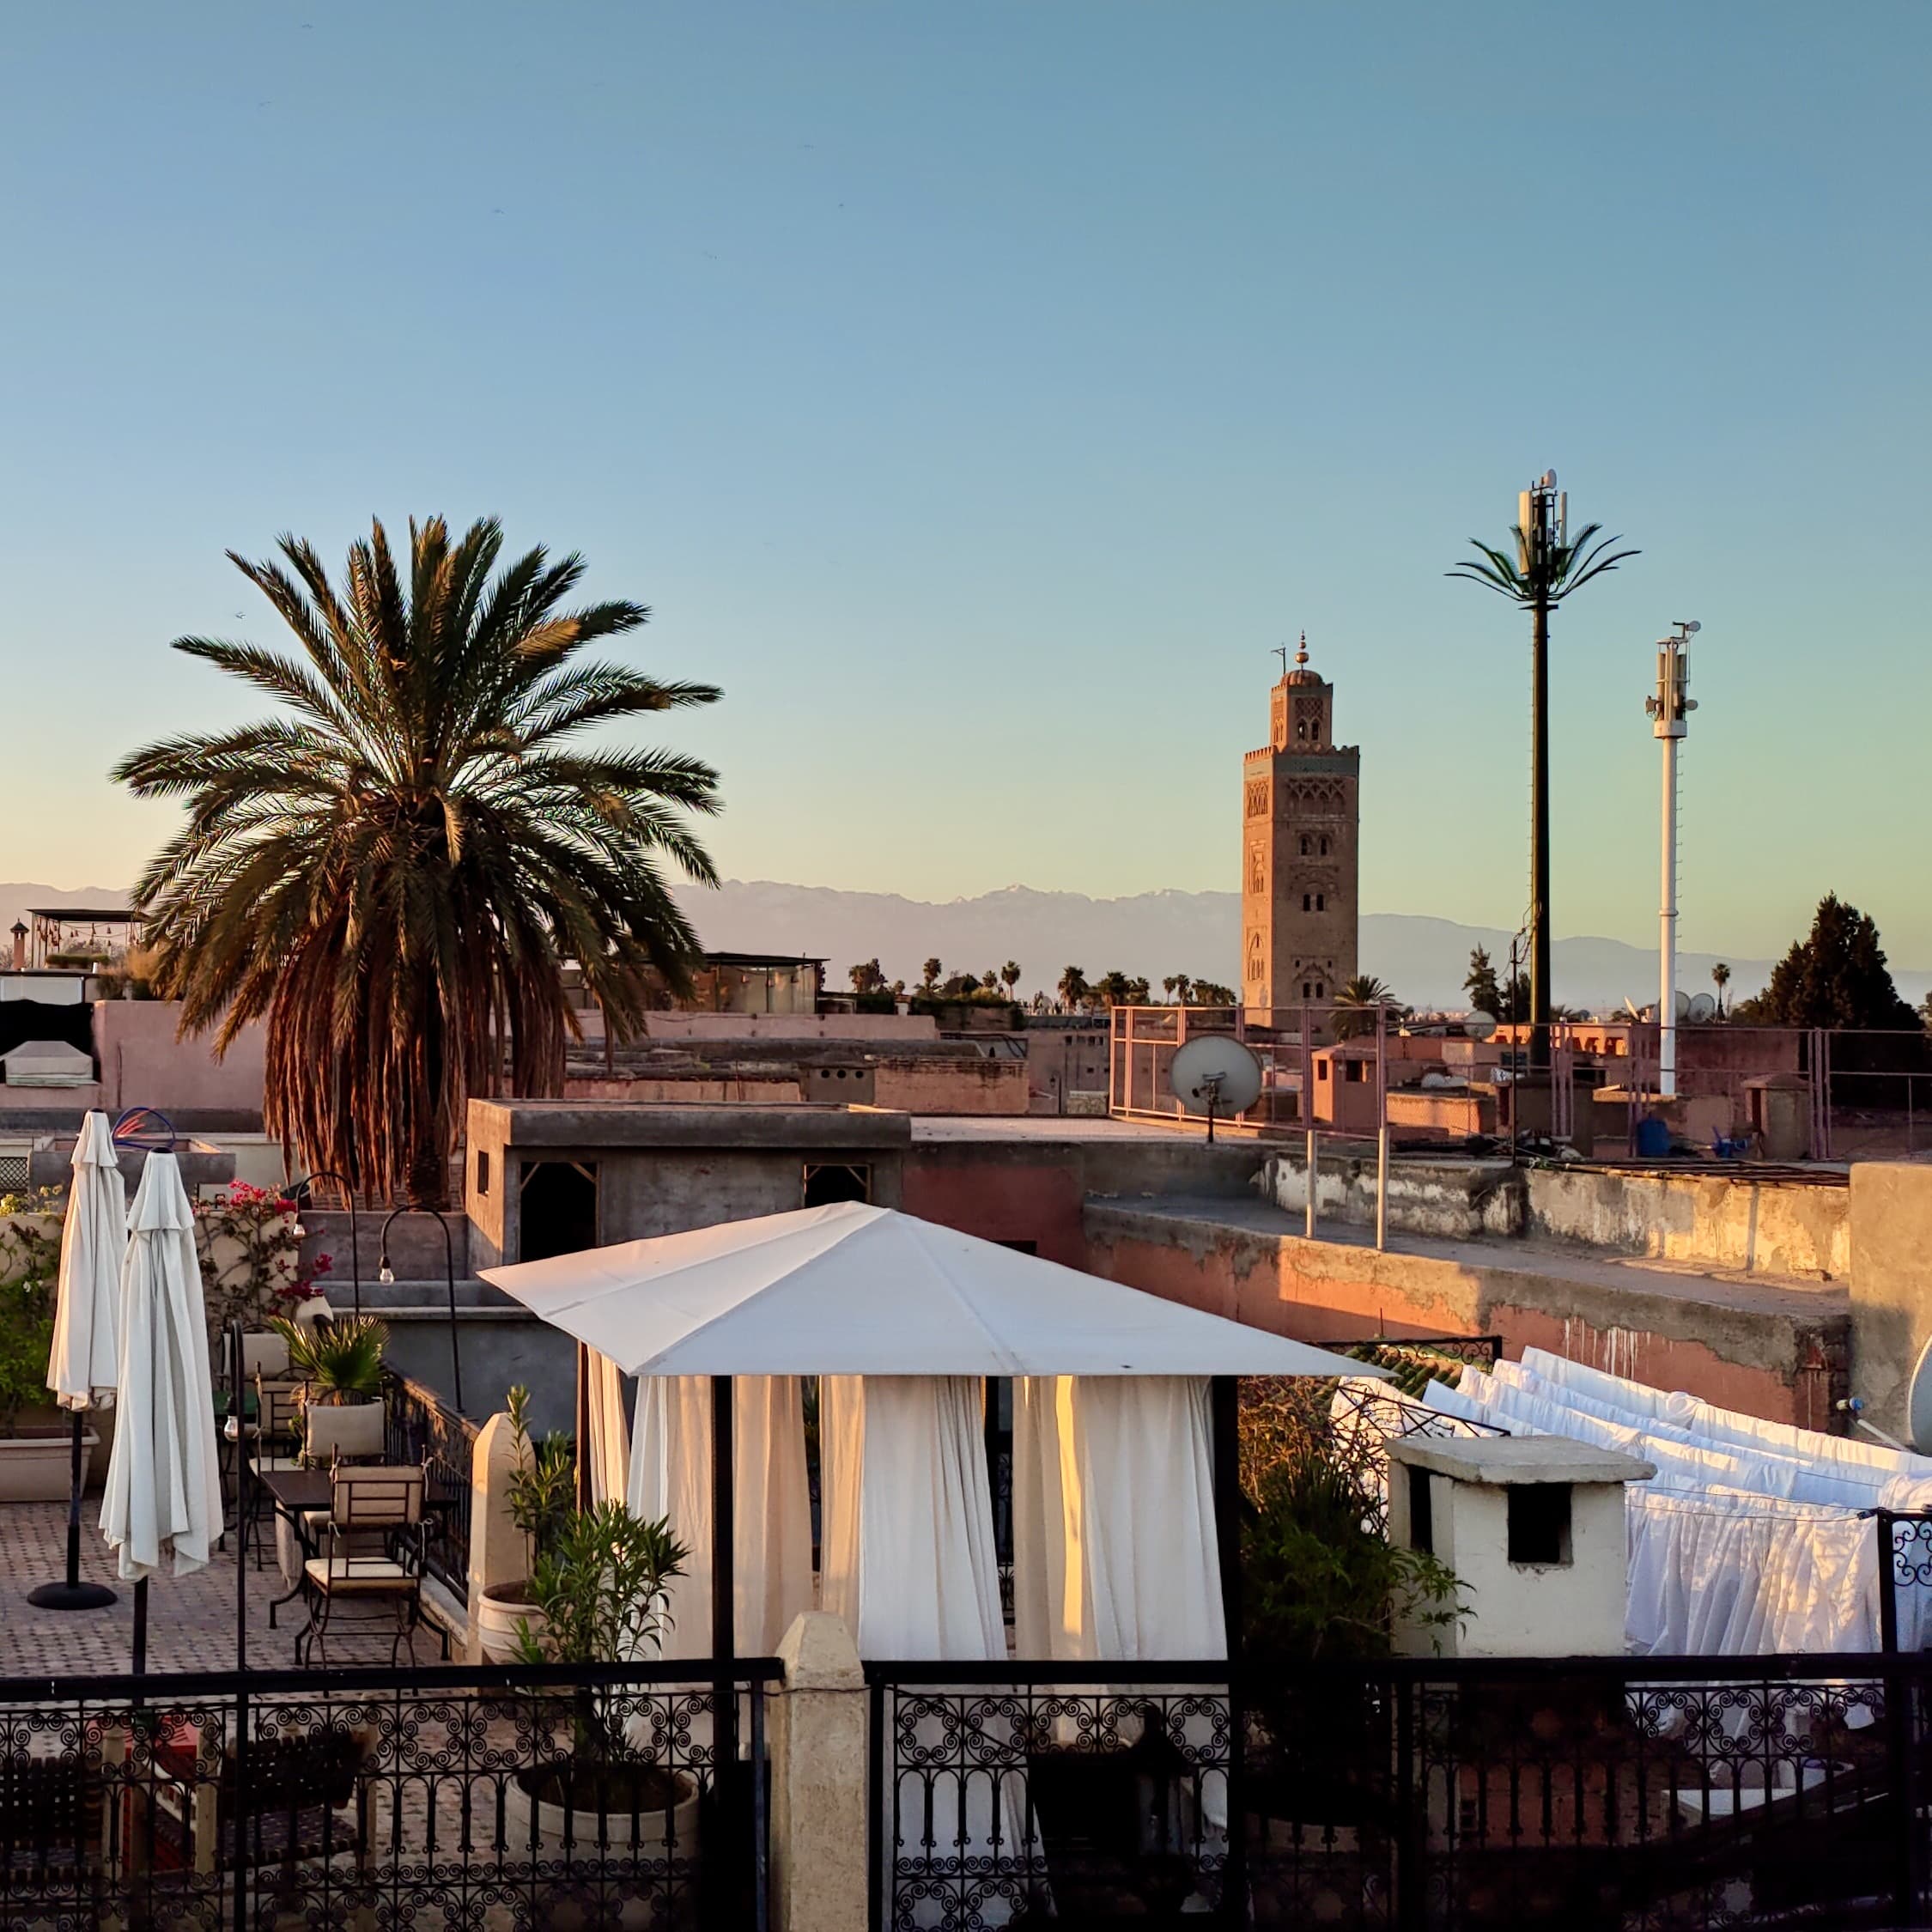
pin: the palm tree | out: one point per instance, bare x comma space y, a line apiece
395, 876
1541, 570
1010, 976
929, 975
1072, 989
1178, 987
1721, 977
1360, 997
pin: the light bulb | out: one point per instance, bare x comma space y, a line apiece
386, 1274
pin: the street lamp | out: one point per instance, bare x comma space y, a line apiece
386, 1276
1668, 711
1541, 568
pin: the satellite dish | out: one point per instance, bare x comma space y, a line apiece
1682, 1006
1477, 1026
1918, 1403
1215, 1075
1703, 1007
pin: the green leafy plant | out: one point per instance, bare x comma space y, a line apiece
542, 1486
603, 1588
29, 1266
341, 1361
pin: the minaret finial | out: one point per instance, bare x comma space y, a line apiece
1300, 656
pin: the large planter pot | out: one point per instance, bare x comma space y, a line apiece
35, 1465
499, 1612
537, 1827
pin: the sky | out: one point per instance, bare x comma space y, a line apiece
980, 393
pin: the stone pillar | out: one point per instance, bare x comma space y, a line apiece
496, 1545
818, 1769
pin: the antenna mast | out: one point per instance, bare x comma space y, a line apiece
1668, 710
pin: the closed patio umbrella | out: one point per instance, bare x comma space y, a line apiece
85, 1364
162, 1510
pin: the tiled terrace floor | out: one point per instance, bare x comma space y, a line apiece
190, 1619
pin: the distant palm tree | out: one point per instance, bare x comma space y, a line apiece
396, 876
1720, 976
929, 975
1178, 987
1360, 997
1072, 989
1010, 976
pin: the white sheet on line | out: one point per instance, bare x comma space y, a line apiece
1853, 1485
1114, 1554
1707, 1420
771, 1504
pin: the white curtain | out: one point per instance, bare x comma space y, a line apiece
771, 1505
907, 1553
1114, 1554
610, 1433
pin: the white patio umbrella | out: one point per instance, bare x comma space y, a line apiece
162, 1509
85, 1362
855, 1290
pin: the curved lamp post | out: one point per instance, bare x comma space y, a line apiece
355, 1244
386, 1274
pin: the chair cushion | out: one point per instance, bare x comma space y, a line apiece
265, 1465
343, 1573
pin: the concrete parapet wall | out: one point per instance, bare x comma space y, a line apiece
1891, 1284
1792, 1228
1773, 1353
1457, 1200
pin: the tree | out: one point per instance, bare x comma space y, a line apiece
929, 976
868, 976
1721, 978
1540, 568
1359, 1000
395, 873
1836, 977
1010, 976
1138, 992
1112, 988
1179, 988
1073, 989
1485, 996
1515, 999
1211, 993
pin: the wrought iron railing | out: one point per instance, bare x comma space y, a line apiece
419, 1427
1673, 1795
447, 1797
1905, 1536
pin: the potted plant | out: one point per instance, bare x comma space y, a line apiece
603, 1591
340, 1361
34, 1448
542, 1492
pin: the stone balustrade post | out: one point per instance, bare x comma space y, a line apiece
818, 1772
496, 1545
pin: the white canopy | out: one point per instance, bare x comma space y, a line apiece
852, 1290
162, 1509
84, 1365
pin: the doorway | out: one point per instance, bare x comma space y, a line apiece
557, 1203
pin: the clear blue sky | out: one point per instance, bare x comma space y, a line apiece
979, 392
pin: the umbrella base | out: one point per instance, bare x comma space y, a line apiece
72, 1597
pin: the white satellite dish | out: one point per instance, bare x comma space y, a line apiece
1477, 1026
1918, 1403
1215, 1075
1681, 1006
1704, 1007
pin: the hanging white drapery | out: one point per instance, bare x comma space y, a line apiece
1115, 1550
908, 1557
610, 1433
161, 1510
84, 1365
670, 1475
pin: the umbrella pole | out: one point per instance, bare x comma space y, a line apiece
242, 1524
141, 1628
74, 1595
724, 1586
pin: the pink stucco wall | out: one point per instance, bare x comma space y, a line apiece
142, 1064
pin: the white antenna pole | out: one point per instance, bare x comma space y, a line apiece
1668, 711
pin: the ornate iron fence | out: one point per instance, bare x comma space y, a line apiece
419, 1428
1905, 1580
1621, 1793
435, 1798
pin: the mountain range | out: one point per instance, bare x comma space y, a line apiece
1150, 934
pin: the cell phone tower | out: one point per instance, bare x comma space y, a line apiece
1668, 710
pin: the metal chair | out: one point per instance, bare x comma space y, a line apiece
379, 1505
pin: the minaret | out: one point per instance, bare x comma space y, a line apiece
1301, 820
